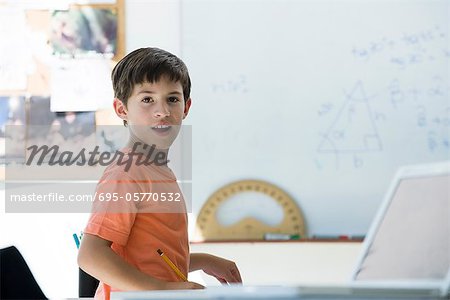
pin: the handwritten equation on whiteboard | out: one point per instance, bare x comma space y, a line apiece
351, 123
355, 127
235, 85
409, 49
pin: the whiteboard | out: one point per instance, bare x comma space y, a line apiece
325, 99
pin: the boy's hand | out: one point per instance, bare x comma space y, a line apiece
187, 285
224, 270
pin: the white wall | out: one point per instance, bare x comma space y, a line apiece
153, 23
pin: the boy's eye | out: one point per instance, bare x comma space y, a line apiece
173, 99
147, 100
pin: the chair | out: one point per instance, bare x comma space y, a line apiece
87, 285
16, 279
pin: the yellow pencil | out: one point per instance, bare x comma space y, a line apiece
171, 265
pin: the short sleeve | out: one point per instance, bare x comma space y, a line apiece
113, 214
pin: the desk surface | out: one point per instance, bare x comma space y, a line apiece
355, 291
324, 239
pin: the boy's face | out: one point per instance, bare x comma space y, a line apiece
155, 111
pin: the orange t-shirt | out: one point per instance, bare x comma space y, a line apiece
148, 213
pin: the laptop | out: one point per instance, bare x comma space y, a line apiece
406, 252
408, 242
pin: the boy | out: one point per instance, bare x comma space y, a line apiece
125, 230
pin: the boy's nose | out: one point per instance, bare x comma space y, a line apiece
162, 111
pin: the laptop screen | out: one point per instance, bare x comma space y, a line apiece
411, 239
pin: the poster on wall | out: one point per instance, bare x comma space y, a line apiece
80, 84
12, 129
84, 30
16, 57
68, 130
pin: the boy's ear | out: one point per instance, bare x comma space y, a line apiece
120, 109
187, 106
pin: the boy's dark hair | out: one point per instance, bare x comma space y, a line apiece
148, 64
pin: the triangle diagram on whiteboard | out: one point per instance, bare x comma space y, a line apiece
354, 128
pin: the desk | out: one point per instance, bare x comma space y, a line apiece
371, 292
288, 262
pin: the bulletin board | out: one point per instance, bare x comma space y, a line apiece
80, 31
55, 66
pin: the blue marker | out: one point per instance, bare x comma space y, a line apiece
77, 241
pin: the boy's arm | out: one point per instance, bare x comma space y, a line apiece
224, 270
96, 258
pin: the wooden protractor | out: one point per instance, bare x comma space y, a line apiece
249, 228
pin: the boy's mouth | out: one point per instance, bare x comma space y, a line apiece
161, 128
